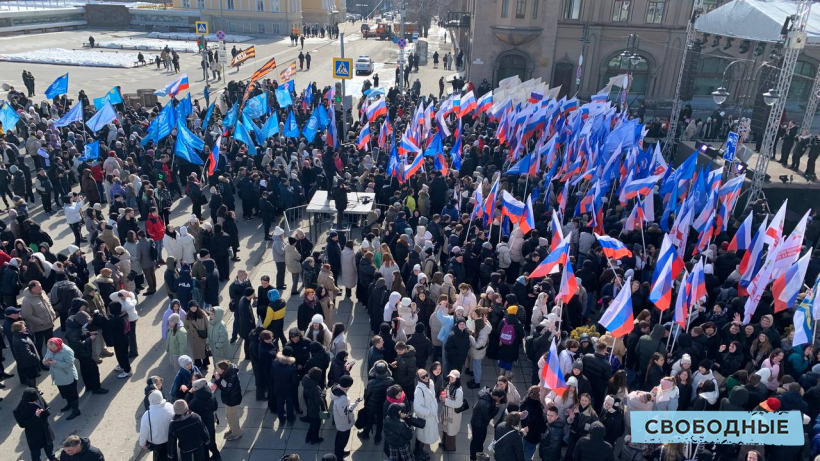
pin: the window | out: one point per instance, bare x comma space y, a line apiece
260, 5
620, 65
274, 6
710, 75
231, 26
520, 9
230, 4
200, 4
505, 7
535, 9
274, 28
572, 9
654, 12
186, 3
620, 11
802, 81
260, 28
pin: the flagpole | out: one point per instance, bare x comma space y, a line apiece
674, 338
671, 333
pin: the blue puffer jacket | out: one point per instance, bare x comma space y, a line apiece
63, 372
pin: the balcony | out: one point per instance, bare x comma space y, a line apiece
516, 35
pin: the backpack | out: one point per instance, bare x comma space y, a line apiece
507, 336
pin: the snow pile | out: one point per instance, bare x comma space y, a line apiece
192, 36
147, 44
65, 57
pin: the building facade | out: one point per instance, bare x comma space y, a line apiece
277, 17
546, 38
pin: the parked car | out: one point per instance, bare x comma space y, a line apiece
364, 65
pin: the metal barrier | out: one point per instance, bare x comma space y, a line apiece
293, 218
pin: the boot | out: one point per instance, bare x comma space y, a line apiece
75, 410
66, 407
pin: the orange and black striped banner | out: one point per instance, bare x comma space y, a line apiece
288, 73
264, 70
243, 56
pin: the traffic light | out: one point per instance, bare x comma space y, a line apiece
201, 43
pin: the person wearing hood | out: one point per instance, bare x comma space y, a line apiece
736, 401
188, 432
176, 344
10, 282
203, 402
81, 341
318, 331
509, 442
343, 418
174, 307
119, 328
196, 322
59, 358
154, 425
61, 295
593, 446
457, 346
32, 415
187, 246
649, 345
286, 382
36, 309
183, 284
320, 359
275, 316
218, 342
375, 394
314, 395
184, 377
707, 396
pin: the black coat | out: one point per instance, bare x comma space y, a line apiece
313, 397
598, 371
247, 321
285, 375
189, 432
423, 346
203, 403
375, 393
551, 440
230, 388
334, 256
405, 371
593, 447
511, 447
38, 431
535, 422
396, 430
25, 352
484, 410
87, 453
456, 348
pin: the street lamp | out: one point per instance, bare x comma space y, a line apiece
720, 95
770, 97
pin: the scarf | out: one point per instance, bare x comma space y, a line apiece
58, 343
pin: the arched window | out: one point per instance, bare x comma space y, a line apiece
802, 81
710, 74
620, 64
510, 64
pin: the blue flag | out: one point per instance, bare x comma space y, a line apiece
324, 119
309, 93
240, 133
249, 125
184, 109
283, 96
165, 122
103, 117
58, 87
207, 120
256, 106
311, 127
113, 96
187, 145
152, 131
91, 151
231, 116
269, 129
73, 115
8, 117
291, 128
435, 146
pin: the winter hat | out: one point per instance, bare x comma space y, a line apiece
706, 363
816, 369
317, 318
345, 381
572, 381
180, 407
173, 319
771, 405
72, 249
417, 267
512, 310
405, 302
287, 351
686, 359
155, 397
579, 365
184, 361
199, 384
273, 295
294, 332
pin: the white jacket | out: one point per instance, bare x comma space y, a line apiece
516, 242
425, 404
72, 212
172, 247
504, 258
186, 243
161, 415
478, 347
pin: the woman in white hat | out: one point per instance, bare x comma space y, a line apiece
453, 398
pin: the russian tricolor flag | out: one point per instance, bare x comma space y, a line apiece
569, 286
510, 207
786, 287
364, 138
177, 86
668, 267
550, 264
414, 167
618, 319
489, 203
613, 248
569, 106
485, 102
214, 156
468, 104
527, 222
557, 232
682, 301
636, 187
551, 376
375, 110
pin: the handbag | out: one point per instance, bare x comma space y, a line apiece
361, 419
416, 422
491, 446
464, 407
202, 333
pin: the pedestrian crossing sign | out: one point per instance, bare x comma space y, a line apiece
201, 27
342, 68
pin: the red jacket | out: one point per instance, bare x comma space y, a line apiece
155, 228
97, 172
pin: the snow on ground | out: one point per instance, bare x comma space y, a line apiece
147, 44
65, 57
353, 86
192, 36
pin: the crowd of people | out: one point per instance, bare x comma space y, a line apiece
450, 286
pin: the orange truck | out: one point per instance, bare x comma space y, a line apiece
409, 28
